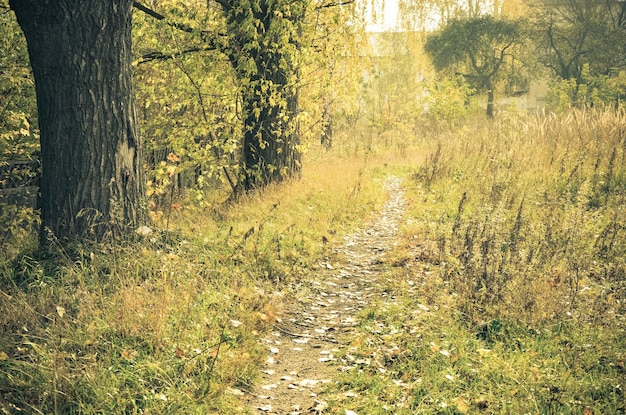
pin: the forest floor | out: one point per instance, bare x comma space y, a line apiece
318, 317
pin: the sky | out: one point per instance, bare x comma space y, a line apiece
381, 15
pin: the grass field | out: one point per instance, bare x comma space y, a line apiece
509, 283
513, 273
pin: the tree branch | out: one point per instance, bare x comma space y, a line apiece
328, 5
160, 56
159, 16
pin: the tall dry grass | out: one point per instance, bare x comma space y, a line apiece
530, 220
507, 292
518, 238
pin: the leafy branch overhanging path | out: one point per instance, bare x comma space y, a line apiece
320, 321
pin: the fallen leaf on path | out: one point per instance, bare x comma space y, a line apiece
235, 391
143, 231
319, 406
308, 383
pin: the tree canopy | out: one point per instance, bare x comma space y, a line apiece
583, 43
480, 49
231, 92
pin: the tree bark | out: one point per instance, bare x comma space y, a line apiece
262, 47
91, 155
490, 99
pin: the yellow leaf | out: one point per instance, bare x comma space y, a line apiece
3, 356
60, 311
128, 354
461, 405
262, 316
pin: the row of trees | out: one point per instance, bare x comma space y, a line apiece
91, 152
580, 43
233, 90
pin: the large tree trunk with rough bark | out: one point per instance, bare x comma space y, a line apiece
92, 184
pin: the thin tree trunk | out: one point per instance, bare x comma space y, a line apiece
490, 98
91, 155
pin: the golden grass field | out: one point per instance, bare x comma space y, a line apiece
514, 235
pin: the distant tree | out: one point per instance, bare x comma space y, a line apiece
426, 14
483, 50
90, 150
263, 46
580, 39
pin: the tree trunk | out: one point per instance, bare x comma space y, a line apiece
490, 98
263, 48
270, 144
91, 156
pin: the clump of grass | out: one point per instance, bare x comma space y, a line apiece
124, 332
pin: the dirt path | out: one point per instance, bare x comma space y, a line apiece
316, 325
